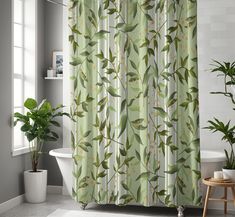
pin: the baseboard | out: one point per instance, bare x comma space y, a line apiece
11, 203
54, 189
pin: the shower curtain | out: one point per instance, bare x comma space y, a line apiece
135, 102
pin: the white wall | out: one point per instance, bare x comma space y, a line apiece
216, 40
11, 168
53, 89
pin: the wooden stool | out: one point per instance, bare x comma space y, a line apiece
224, 199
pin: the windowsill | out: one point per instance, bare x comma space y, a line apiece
20, 151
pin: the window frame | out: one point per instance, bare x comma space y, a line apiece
19, 150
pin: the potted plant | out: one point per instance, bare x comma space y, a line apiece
227, 71
36, 125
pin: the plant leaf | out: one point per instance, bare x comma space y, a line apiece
112, 92
30, 104
123, 124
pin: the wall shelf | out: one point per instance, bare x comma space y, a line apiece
53, 78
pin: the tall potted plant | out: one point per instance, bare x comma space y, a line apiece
36, 124
227, 71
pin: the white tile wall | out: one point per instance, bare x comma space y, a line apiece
216, 40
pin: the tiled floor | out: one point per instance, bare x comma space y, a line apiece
63, 202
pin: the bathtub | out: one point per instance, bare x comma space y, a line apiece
210, 162
64, 159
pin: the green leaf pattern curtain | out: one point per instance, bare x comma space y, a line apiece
135, 101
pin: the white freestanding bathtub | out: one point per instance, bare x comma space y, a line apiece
210, 161
64, 159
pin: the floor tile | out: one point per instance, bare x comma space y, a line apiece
64, 202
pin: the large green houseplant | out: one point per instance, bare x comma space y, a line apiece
36, 124
226, 70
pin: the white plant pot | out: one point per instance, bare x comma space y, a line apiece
35, 186
229, 174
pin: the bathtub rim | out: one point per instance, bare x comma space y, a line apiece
210, 157
61, 152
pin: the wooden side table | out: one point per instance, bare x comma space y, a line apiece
224, 199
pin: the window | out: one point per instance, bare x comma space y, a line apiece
24, 62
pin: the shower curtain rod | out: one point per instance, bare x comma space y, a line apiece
57, 3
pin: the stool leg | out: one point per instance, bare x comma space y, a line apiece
206, 200
225, 202
233, 191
